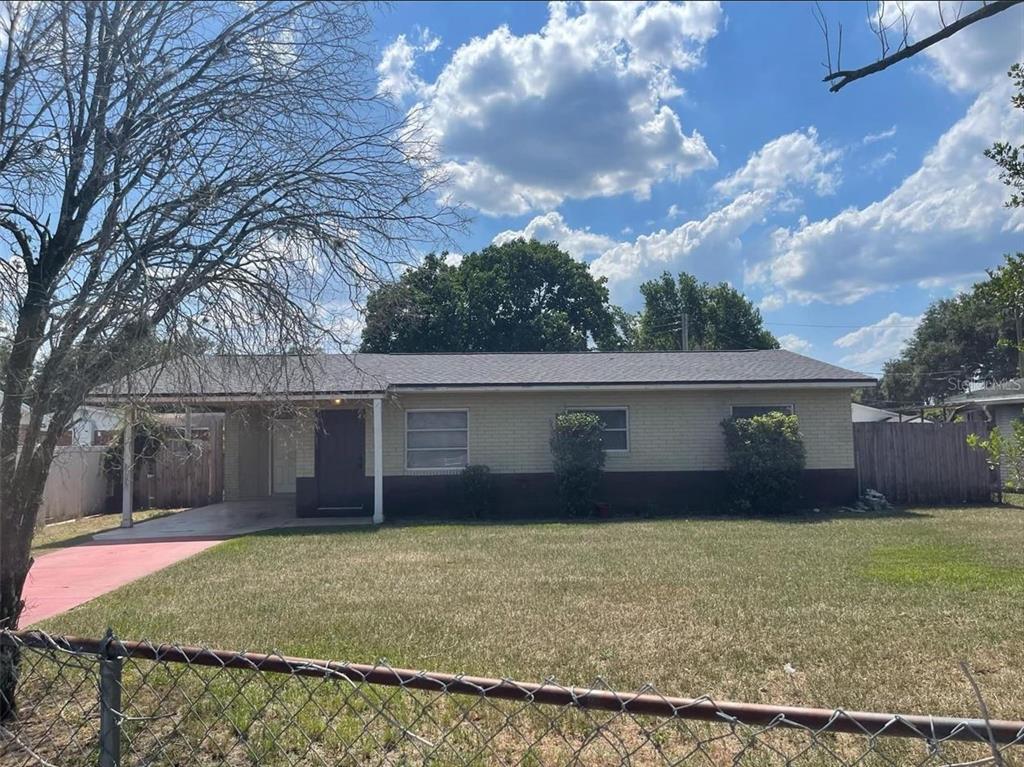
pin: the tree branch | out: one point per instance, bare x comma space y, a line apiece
843, 77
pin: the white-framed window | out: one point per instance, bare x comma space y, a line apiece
616, 426
749, 411
436, 439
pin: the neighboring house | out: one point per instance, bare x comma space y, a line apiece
350, 434
867, 414
998, 404
85, 423
93, 425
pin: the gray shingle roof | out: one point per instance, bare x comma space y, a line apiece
367, 373
1010, 391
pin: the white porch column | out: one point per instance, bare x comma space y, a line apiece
378, 462
128, 468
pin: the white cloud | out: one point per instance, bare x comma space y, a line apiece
969, 60
872, 138
429, 42
881, 161
795, 343
951, 285
945, 220
771, 302
396, 68
795, 158
762, 186
551, 227
869, 347
714, 236
576, 110
674, 211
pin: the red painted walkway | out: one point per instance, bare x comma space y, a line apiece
70, 577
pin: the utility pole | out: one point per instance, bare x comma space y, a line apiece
684, 331
1020, 350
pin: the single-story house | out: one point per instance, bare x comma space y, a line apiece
362, 434
999, 404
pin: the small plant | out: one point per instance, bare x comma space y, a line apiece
1004, 453
479, 490
578, 452
766, 459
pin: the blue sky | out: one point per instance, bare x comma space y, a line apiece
699, 137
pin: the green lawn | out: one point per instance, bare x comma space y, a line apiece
60, 535
871, 612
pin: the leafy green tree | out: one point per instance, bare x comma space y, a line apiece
719, 316
1008, 157
967, 338
518, 296
421, 312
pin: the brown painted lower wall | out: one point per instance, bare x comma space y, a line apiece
535, 495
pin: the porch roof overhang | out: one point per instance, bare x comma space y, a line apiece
229, 400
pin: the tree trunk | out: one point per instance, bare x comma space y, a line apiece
22, 498
14, 566
23, 472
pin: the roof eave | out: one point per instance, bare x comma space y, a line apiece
227, 398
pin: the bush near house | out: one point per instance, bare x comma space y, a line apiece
578, 453
766, 457
479, 490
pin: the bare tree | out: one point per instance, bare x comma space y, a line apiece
890, 23
184, 174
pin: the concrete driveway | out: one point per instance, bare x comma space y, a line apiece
219, 521
69, 577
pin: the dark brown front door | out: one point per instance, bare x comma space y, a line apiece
342, 485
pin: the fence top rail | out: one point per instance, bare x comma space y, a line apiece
646, 701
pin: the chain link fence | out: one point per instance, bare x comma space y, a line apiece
108, 702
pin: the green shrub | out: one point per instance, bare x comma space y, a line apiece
479, 490
1004, 453
766, 458
578, 453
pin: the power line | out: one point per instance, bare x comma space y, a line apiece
814, 325
676, 324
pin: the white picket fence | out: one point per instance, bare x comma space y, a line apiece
76, 485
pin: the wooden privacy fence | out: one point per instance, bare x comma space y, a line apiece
183, 472
913, 463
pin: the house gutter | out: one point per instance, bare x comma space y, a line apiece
708, 386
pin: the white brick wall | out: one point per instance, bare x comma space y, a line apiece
668, 431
